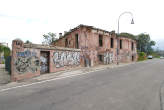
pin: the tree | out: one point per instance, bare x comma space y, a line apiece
49, 38
6, 50
1, 48
28, 42
144, 43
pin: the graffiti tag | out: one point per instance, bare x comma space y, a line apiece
66, 58
108, 57
26, 61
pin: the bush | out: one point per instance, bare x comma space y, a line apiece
3, 62
141, 56
155, 55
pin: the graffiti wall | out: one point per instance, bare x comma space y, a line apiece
108, 57
66, 58
26, 61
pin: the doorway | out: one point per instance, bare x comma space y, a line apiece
132, 58
44, 62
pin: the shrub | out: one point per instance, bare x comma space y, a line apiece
155, 55
141, 56
3, 62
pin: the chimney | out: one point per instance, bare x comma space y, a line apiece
60, 35
65, 32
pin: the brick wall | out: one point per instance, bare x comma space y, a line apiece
92, 51
30, 60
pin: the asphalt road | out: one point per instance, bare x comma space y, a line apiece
132, 87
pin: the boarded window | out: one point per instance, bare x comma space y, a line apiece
76, 41
100, 40
66, 42
111, 43
132, 46
100, 57
120, 44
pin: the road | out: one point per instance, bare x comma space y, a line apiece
132, 87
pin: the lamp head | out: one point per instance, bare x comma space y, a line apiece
132, 22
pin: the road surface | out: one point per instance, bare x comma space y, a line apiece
132, 87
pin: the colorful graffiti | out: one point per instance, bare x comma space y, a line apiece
26, 61
108, 57
61, 58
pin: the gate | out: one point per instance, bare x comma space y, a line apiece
8, 64
44, 62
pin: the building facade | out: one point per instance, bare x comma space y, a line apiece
99, 46
81, 46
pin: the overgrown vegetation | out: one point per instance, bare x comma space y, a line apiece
49, 38
28, 42
5, 51
141, 56
128, 35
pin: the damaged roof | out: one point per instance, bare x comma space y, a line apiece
91, 27
50, 47
86, 26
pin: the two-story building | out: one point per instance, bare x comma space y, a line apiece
81, 46
99, 46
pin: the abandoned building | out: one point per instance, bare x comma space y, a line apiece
99, 46
81, 46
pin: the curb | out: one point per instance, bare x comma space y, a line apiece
33, 81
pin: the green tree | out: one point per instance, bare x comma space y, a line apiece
28, 42
141, 56
144, 43
1, 48
6, 50
49, 38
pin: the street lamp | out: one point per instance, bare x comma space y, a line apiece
132, 22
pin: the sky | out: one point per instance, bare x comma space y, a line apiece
30, 19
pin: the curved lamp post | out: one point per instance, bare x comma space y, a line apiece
132, 22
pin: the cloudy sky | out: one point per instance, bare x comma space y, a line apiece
30, 19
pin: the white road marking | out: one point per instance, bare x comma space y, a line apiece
57, 78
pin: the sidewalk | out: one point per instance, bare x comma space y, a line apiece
4, 75
76, 71
61, 74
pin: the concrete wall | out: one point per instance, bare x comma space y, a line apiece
27, 58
